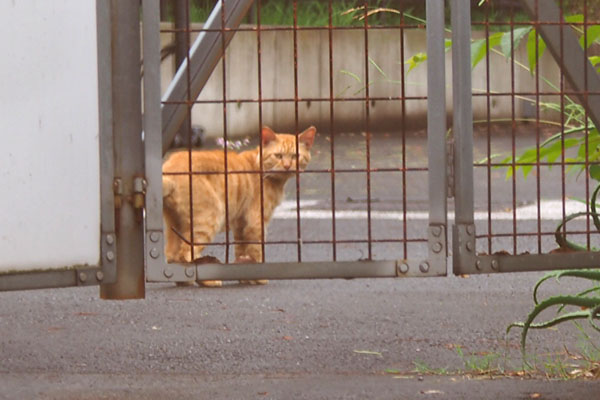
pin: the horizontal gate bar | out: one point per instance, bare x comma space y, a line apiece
82, 276
205, 53
535, 262
295, 270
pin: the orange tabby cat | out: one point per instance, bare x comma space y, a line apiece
208, 196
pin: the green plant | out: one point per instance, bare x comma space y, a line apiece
424, 369
481, 364
586, 306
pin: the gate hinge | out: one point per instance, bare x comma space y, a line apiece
450, 167
139, 192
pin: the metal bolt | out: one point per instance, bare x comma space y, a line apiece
154, 236
402, 268
189, 272
82, 276
436, 231
154, 253
469, 246
110, 239
99, 275
110, 256
478, 264
437, 247
168, 273
424, 266
471, 229
494, 264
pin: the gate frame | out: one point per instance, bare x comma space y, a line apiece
158, 270
106, 270
465, 260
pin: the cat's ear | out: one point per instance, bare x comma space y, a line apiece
308, 137
267, 135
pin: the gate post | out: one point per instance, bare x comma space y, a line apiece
463, 230
128, 153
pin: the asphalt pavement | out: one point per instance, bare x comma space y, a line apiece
411, 338
325, 339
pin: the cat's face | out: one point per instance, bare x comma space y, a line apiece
279, 151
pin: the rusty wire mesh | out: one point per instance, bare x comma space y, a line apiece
538, 185
364, 195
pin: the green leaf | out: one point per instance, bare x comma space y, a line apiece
592, 34
595, 60
479, 47
378, 68
518, 34
531, 47
595, 172
556, 149
415, 61
448, 44
574, 19
352, 74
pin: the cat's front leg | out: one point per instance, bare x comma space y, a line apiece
248, 249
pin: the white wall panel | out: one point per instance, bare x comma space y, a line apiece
49, 162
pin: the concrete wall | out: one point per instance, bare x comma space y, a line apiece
277, 67
49, 162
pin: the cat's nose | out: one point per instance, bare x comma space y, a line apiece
287, 165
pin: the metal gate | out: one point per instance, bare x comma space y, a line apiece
454, 169
370, 203
180, 97
39, 190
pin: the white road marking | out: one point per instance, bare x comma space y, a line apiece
549, 210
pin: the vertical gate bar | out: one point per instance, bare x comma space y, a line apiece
152, 133
181, 48
436, 130
180, 17
513, 132
128, 150
463, 115
205, 54
562, 136
537, 138
488, 110
225, 140
436, 111
107, 171
295, 46
189, 103
260, 125
586, 129
331, 130
368, 129
403, 128
464, 228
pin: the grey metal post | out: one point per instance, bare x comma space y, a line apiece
436, 133
204, 56
155, 240
464, 227
105, 121
181, 49
128, 150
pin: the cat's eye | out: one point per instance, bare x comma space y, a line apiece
294, 156
278, 156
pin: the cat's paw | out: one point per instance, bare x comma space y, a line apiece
244, 260
210, 283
